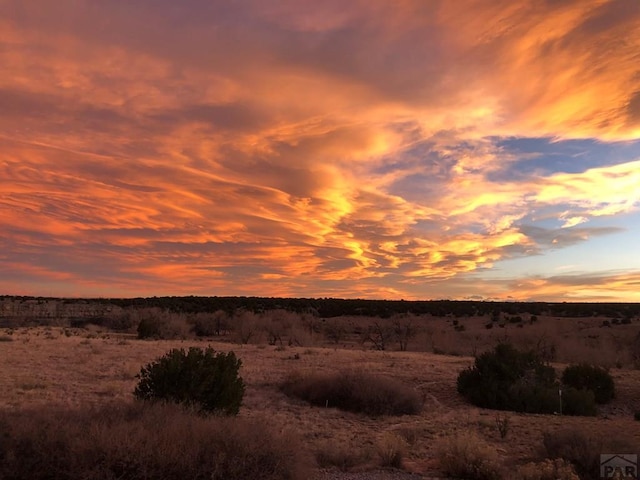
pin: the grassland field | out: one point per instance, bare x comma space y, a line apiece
48, 365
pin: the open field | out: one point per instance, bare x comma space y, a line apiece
43, 366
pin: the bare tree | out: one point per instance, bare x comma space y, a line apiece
245, 325
334, 330
404, 330
311, 321
379, 335
545, 348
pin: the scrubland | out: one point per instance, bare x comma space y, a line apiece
75, 376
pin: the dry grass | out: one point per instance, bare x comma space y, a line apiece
573, 446
558, 469
136, 441
343, 456
583, 450
74, 371
355, 392
467, 455
391, 450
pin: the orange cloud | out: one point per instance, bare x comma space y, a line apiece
299, 149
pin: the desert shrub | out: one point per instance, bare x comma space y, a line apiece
164, 326
149, 328
590, 377
123, 322
341, 455
144, 441
198, 378
533, 398
508, 379
209, 325
409, 434
391, 450
582, 451
578, 402
557, 469
468, 456
502, 425
356, 392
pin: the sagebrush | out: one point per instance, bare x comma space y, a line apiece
356, 392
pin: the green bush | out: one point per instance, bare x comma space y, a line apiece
149, 328
578, 402
533, 398
355, 392
508, 379
198, 378
140, 441
590, 377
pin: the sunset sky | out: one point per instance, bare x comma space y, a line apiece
416, 149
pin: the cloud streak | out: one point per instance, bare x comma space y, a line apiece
289, 148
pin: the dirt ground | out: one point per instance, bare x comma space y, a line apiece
47, 365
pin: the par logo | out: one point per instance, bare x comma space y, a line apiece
619, 466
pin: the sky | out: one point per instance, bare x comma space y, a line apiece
385, 149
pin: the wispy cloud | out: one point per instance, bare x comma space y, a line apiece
296, 148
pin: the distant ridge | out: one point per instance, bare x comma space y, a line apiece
11, 305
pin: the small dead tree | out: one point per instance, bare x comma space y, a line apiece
220, 322
635, 351
245, 325
379, 335
404, 330
274, 331
311, 321
334, 330
545, 349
